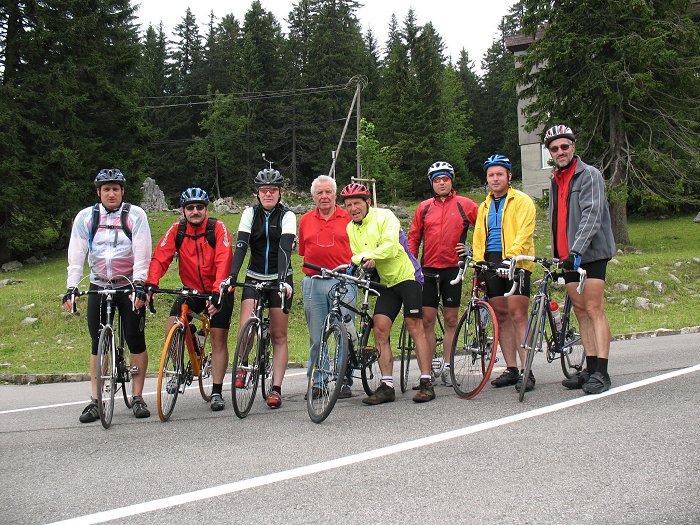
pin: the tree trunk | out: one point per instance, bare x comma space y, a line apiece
617, 191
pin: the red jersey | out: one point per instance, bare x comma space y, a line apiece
441, 224
201, 266
564, 177
324, 242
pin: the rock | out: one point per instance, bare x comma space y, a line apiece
614, 261
678, 264
645, 269
153, 197
642, 302
696, 259
400, 212
660, 287
697, 218
26, 307
625, 302
299, 209
11, 266
621, 287
674, 278
32, 260
620, 252
5, 282
28, 320
226, 205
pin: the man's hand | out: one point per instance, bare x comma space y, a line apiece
351, 269
70, 298
225, 286
503, 269
213, 303
572, 261
368, 264
285, 289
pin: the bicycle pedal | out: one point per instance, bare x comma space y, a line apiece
134, 371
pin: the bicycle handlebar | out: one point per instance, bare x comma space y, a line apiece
467, 262
103, 291
548, 264
184, 292
326, 273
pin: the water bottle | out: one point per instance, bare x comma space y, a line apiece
350, 328
200, 338
554, 307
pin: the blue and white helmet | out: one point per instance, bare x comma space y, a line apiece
107, 176
439, 169
498, 160
192, 195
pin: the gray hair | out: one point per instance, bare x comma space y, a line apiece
324, 178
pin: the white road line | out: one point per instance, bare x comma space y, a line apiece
83, 401
238, 486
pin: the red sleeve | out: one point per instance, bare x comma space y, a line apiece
224, 254
162, 256
415, 233
300, 237
472, 211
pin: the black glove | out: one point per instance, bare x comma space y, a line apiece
572, 262
225, 286
70, 294
503, 269
139, 291
150, 288
215, 299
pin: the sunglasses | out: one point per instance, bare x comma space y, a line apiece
563, 147
269, 190
192, 207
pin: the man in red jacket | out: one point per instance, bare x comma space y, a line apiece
441, 223
204, 250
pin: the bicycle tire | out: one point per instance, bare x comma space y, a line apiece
205, 378
328, 372
573, 356
247, 361
105, 375
266, 379
407, 347
474, 350
170, 372
534, 339
124, 370
369, 362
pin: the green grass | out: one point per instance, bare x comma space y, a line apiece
59, 343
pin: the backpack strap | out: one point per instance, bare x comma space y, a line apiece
125, 220
209, 233
95, 224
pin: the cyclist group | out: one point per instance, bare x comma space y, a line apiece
115, 236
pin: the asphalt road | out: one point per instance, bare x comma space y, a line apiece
630, 456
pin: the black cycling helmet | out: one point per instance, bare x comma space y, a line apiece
193, 195
269, 177
560, 131
107, 176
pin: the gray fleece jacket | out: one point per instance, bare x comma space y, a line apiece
588, 226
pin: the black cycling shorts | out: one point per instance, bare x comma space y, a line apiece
594, 270
498, 286
221, 319
408, 293
437, 285
273, 297
133, 322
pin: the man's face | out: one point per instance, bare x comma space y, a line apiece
324, 197
498, 177
269, 196
562, 151
111, 195
357, 207
195, 213
442, 185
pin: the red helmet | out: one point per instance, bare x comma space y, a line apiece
354, 189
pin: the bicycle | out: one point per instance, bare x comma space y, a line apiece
253, 359
178, 369
113, 371
475, 346
342, 349
564, 342
408, 347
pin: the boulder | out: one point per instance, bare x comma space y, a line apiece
153, 197
697, 218
11, 266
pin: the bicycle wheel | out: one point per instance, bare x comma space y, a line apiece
474, 350
244, 380
266, 372
534, 339
370, 372
170, 372
105, 376
573, 355
327, 372
124, 370
407, 347
206, 379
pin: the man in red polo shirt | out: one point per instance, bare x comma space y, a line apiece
323, 241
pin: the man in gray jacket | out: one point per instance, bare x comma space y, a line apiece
582, 236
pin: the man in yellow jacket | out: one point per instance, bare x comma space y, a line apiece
505, 227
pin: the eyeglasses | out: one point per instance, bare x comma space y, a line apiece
269, 189
563, 147
442, 179
192, 207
